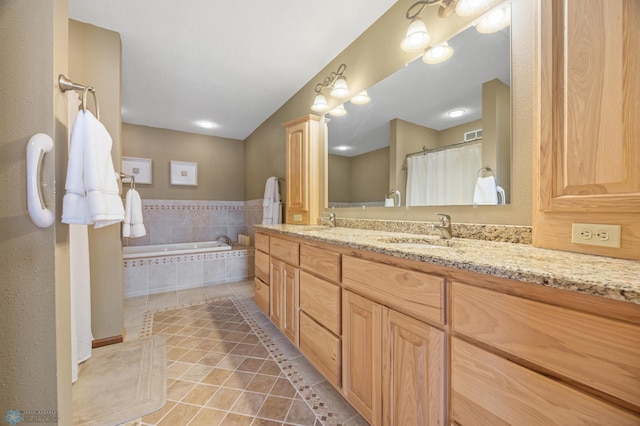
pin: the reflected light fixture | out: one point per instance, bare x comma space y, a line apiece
456, 113
495, 20
361, 98
417, 37
338, 111
438, 53
206, 124
339, 89
474, 7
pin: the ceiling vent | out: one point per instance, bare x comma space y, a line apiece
473, 135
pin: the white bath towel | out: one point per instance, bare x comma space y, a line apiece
133, 225
485, 191
80, 277
271, 202
92, 192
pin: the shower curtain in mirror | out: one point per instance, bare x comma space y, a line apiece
445, 177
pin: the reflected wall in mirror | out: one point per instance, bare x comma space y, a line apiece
406, 140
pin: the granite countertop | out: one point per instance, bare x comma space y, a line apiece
608, 277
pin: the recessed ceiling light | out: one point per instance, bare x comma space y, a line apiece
206, 124
342, 148
456, 113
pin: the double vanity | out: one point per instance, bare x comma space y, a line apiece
417, 330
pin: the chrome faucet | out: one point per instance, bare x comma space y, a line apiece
331, 220
397, 197
444, 227
226, 239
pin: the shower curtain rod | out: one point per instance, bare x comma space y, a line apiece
441, 148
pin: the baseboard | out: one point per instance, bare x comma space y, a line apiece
107, 341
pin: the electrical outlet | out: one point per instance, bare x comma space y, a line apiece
596, 234
297, 218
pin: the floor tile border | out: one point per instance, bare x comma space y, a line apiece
306, 392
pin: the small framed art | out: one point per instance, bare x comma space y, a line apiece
139, 168
184, 173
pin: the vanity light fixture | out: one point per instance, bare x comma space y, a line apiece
338, 111
474, 7
438, 53
339, 89
361, 98
417, 37
495, 20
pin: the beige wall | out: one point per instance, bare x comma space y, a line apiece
220, 163
359, 178
455, 134
35, 353
95, 60
375, 55
496, 131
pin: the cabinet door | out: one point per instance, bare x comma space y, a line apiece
276, 288
412, 371
290, 303
588, 158
361, 355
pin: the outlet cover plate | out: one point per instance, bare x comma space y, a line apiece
595, 234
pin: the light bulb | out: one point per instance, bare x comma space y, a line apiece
320, 104
495, 20
437, 54
361, 98
473, 7
340, 89
417, 37
338, 111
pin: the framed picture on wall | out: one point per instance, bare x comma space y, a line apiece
184, 173
139, 168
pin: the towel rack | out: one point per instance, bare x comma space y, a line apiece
485, 171
132, 177
66, 84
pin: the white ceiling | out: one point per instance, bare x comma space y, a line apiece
230, 62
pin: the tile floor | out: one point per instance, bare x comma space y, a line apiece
229, 365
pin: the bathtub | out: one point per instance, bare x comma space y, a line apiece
135, 252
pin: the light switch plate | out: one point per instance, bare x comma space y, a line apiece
594, 234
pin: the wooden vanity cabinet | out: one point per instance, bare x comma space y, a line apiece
545, 364
320, 307
284, 279
394, 362
305, 145
587, 155
262, 272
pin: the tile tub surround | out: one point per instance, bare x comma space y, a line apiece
169, 273
612, 278
182, 221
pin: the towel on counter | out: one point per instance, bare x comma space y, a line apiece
92, 192
133, 225
271, 203
485, 191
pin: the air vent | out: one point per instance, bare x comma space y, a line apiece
473, 135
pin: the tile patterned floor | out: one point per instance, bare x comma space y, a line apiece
229, 365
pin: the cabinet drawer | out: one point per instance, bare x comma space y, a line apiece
262, 266
595, 351
413, 293
321, 300
262, 242
321, 347
285, 250
489, 390
261, 295
320, 262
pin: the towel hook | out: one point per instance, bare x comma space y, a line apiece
95, 100
65, 84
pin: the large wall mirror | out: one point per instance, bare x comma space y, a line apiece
407, 146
